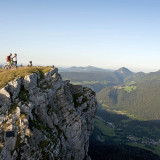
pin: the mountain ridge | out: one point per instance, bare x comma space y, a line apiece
84, 69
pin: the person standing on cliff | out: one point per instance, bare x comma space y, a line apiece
9, 59
15, 59
30, 64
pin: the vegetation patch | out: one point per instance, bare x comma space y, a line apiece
64, 120
129, 88
23, 116
77, 95
41, 74
59, 131
125, 113
23, 95
106, 107
45, 85
154, 149
76, 83
43, 144
18, 146
45, 155
44, 69
9, 75
12, 108
18, 141
1, 148
5, 127
1, 70
75, 98
85, 99
37, 124
105, 130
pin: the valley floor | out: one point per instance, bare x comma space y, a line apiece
120, 135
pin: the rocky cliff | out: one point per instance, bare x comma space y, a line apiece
43, 117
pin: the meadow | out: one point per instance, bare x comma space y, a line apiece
9, 75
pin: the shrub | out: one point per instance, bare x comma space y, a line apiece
12, 108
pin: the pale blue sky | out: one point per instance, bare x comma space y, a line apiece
102, 33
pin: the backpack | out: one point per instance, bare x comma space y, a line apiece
8, 58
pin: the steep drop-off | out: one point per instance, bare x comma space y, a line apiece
43, 117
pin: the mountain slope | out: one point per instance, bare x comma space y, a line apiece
124, 71
138, 96
43, 117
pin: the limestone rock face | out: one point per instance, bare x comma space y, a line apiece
30, 81
14, 88
45, 118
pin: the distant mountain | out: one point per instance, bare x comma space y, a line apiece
96, 78
124, 71
84, 69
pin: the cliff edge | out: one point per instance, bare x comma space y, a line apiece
43, 117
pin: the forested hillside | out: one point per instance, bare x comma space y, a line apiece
125, 99
139, 96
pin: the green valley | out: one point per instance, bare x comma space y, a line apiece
128, 117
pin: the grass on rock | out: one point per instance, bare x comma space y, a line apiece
9, 75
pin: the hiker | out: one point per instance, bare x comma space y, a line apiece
9, 59
30, 64
15, 59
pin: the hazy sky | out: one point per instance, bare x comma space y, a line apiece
102, 33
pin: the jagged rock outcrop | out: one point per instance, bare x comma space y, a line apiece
43, 117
